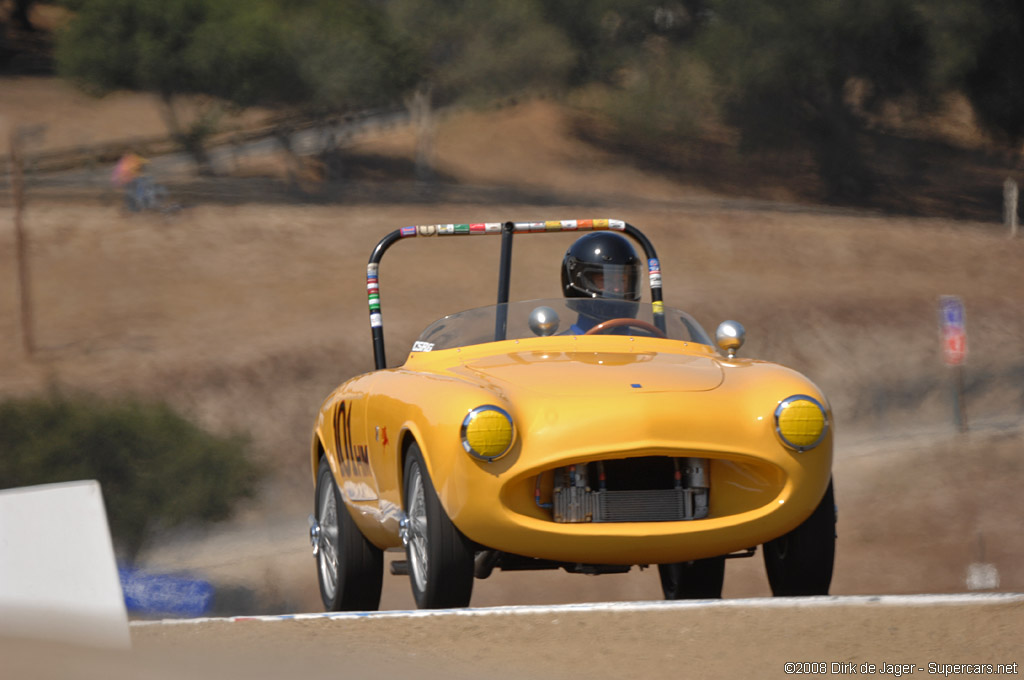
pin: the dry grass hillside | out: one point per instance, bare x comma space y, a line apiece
245, 312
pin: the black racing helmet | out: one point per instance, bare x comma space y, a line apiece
601, 264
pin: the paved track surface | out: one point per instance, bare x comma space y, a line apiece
754, 638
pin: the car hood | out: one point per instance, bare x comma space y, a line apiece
570, 374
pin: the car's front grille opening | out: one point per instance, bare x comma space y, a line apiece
647, 489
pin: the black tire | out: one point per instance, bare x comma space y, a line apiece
694, 580
800, 562
350, 569
440, 557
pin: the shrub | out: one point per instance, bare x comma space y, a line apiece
664, 95
156, 469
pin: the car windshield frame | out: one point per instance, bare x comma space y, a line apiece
567, 317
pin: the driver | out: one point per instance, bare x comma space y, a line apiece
602, 269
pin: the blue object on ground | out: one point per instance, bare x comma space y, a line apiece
164, 594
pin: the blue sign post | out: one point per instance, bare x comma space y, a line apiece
953, 328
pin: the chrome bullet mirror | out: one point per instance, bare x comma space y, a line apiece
730, 337
544, 321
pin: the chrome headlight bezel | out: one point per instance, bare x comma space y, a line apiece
470, 417
786, 403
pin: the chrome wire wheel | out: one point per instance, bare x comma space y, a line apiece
440, 557
327, 547
419, 563
349, 569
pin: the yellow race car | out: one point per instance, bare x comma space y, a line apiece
591, 432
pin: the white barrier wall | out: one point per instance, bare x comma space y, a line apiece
58, 575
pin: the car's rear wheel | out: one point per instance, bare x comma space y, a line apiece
440, 557
349, 568
694, 580
800, 562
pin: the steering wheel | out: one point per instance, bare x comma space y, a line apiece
617, 323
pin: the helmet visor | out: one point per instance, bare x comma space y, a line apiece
609, 281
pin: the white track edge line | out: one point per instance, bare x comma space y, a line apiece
654, 605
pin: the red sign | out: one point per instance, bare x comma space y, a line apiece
954, 345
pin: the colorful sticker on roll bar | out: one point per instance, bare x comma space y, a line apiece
498, 227
569, 225
529, 226
420, 346
654, 267
373, 288
485, 228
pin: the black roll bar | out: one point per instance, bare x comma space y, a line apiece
507, 230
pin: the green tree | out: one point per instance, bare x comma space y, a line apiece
607, 34
663, 97
788, 68
346, 54
174, 48
476, 51
157, 470
315, 55
980, 47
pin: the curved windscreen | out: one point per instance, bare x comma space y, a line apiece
558, 316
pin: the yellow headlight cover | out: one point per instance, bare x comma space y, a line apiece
800, 422
487, 432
